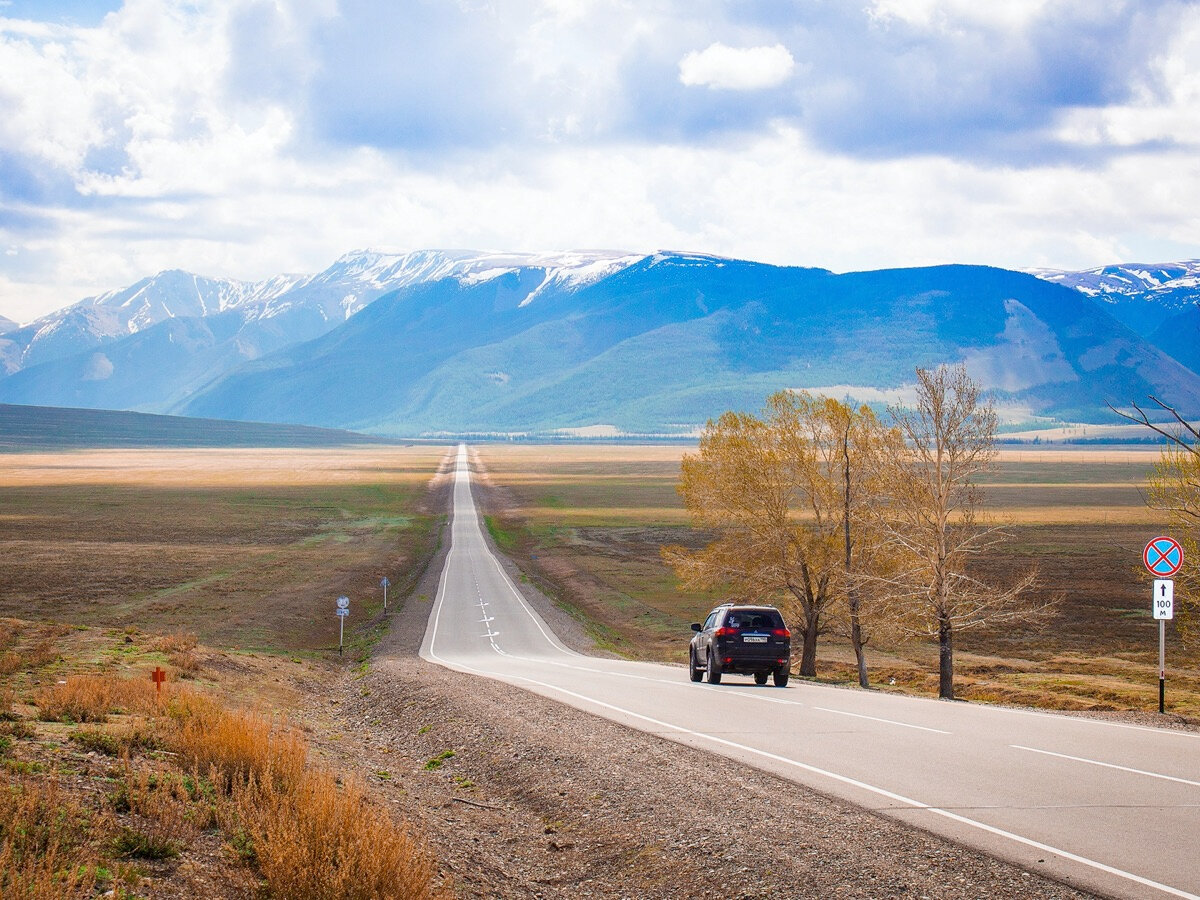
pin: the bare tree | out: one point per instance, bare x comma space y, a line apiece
930, 510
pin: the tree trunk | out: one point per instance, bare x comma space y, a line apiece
856, 640
859, 654
945, 658
808, 655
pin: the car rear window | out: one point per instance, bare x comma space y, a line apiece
754, 618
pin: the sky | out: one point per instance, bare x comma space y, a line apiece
246, 138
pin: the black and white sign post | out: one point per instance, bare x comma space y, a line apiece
384, 584
1163, 558
1164, 609
343, 610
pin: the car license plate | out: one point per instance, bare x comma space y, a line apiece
754, 638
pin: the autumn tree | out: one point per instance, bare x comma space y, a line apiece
846, 440
1175, 488
929, 507
774, 491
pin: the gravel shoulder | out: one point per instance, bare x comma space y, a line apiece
519, 796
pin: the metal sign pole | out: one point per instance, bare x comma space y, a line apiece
341, 626
1162, 665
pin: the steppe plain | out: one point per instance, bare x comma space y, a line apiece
222, 566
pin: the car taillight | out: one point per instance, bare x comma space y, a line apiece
782, 632
725, 632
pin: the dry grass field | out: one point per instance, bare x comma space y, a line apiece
246, 548
587, 523
221, 567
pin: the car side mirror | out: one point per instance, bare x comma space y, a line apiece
696, 626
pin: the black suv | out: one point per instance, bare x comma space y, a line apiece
750, 640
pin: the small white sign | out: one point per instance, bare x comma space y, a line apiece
342, 611
343, 602
1163, 604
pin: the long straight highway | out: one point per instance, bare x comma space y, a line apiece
1111, 808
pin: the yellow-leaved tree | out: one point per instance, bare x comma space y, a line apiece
781, 493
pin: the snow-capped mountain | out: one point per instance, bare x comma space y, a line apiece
7, 325
312, 303
1143, 296
462, 342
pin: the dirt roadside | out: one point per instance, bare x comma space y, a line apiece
523, 797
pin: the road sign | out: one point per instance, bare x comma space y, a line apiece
1163, 557
343, 602
383, 584
1164, 598
342, 611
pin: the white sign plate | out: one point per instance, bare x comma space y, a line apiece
1163, 603
343, 612
343, 602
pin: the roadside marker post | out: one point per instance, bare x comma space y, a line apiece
1163, 558
343, 610
158, 676
384, 584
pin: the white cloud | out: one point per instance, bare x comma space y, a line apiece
1009, 15
148, 142
737, 69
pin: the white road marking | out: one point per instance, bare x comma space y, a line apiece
1096, 762
853, 782
842, 712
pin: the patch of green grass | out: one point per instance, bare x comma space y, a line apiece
436, 762
131, 843
507, 539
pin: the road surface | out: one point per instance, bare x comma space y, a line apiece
1107, 807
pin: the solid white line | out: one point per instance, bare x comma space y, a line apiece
842, 712
1095, 762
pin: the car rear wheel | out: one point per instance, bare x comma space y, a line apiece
694, 670
781, 676
760, 678
714, 669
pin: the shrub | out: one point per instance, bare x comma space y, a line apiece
90, 698
177, 642
116, 743
238, 746
314, 840
44, 851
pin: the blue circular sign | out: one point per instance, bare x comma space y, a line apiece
1163, 557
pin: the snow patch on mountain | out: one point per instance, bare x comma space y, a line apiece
1128, 278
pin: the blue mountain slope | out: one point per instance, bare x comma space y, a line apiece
672, 340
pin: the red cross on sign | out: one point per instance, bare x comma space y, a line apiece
1163, 557
158, 676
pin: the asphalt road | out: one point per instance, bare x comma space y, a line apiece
1111, 808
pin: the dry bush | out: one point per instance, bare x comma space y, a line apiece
7, 698
10, 661
161, 804
176, 642
238, 746
90, 698
119, 741
186, 661
314, 841
81, 698
45, 842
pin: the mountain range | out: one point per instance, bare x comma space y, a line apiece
597, 342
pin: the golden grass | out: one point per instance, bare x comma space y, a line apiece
239, 746
91, 698
314, 840
45, 850
311, 835
212, 467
